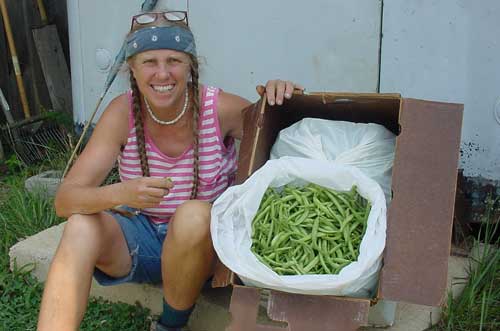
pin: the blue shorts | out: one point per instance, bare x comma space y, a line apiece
144, 240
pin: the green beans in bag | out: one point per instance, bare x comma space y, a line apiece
309, 230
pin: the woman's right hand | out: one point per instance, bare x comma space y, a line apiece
144, 192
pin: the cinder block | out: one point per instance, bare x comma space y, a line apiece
45, 182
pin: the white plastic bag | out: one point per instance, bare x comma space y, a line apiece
234, 210
369, 147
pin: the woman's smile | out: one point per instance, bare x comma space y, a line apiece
162, 88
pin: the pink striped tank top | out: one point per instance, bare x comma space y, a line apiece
217, 161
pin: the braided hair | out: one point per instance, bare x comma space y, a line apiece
139, 125
195, 106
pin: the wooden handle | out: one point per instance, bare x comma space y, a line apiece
15, 61
43, 13
6, 109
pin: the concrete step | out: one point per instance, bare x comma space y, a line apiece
211, 313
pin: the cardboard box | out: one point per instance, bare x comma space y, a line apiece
419, 220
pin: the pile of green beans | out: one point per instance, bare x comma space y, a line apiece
309, 230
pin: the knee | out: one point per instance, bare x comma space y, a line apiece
83, 230
191, 223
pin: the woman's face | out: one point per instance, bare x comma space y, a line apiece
162, 77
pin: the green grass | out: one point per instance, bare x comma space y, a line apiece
23, 214
20, 297
478, 307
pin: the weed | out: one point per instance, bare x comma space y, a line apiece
13, 164
478, 307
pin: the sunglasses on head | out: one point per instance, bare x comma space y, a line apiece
170, 16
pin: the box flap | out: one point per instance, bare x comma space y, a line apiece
252, 124
301, 312
420, 216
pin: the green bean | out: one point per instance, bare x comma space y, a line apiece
314, 234
340, 260
282, 236
311, 264
336, 203
351, 249
281, 270
309, 230
324, 264
270, 233
287, 198
302, 218
298, 268
304, 239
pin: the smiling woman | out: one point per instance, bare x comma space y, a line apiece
174, 141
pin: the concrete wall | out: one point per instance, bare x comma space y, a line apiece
449, 50
325, 45
444, 50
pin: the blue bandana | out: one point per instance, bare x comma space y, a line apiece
162, 37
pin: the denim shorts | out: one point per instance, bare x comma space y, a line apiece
144, 240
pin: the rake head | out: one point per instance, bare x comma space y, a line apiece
34, 142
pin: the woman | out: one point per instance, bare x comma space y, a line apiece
174, 140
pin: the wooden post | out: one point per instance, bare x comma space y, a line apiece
43, 13
14, 58
54, 67
31, 73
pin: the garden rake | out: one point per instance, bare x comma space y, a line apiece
34, 138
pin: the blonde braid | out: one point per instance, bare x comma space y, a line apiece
139, 127
196, 113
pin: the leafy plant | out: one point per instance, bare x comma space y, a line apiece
102, 315
20, 298
13, 163
478, 307
23, 214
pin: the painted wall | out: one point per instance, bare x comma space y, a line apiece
449, 50
445, 50
331, 45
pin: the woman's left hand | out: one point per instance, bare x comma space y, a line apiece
278, 90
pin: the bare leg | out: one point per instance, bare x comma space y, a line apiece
188, 256
87, 241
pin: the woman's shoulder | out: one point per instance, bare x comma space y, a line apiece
116, 115
118, 108
229, 102
120, 102
229, 107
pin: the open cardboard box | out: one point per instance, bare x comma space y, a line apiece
420, 215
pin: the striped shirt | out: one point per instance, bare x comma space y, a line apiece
217, 161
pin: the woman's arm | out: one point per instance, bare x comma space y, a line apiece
230, 109
79, 192
230, 106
